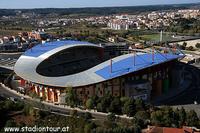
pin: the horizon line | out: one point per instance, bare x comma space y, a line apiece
96, 6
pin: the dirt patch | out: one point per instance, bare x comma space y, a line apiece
22, 119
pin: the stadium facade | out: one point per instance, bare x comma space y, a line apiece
48, 69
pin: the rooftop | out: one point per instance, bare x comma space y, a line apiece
48, 46
127, 65
154, 129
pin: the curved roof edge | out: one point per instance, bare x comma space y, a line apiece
26, 66
48, 46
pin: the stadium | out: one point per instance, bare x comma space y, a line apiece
48, 69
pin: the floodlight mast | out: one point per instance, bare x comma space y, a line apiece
111, 65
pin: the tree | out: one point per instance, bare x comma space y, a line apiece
157, 118
34, 95
8, 105
115, 106
176, 118
129, 108
99, 130
182, 47
198, 45
87, 116
136, 128
88, 127
142, 118
17, 106
185, 44
182, 116
104, 103
101, 107
168, 116
28, 110
95, 100
71, 98
124, 99
111, 117
90, 104
142, 115
190, 48
192, 119
139, 104
10, 123
138, 122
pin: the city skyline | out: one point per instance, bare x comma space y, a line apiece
19, 4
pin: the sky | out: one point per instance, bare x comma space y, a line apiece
17, 4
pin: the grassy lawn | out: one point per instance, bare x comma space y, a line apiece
8, 33
156, 37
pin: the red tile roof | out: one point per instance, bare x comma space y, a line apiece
176, 130
155, 129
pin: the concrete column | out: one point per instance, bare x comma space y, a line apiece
36, 91
49, 94
58, 93
55, 95
46, 93
52, 95
40, 93
32, 88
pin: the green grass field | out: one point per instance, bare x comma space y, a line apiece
156, 37
8, 33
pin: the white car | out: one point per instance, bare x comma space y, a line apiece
195, 102
22, 98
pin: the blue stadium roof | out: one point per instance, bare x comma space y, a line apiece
126, 65
43, 48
